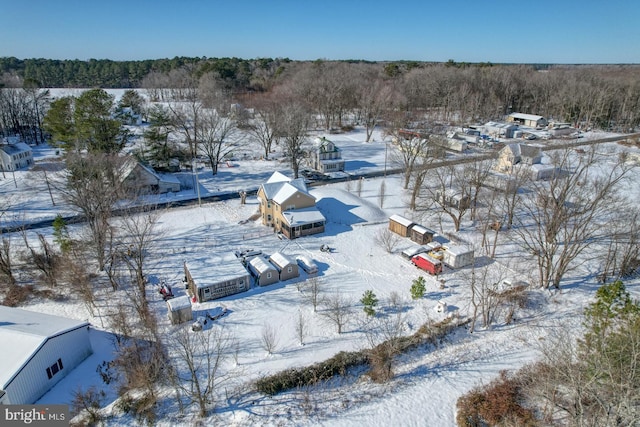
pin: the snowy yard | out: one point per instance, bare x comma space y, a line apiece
428, 380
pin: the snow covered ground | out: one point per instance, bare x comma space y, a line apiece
428, 380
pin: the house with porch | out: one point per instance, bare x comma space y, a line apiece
327, 157
287, 206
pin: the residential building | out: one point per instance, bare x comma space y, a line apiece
287, 206
15, 155
327, 157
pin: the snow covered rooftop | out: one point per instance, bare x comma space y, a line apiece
303, 216
23, 332
280, 260
179, 303
401, 220
216, 268
260, 265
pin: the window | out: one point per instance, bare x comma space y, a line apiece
54, 369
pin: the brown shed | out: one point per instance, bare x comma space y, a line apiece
264, 272
400, 225
421, 235
287, 267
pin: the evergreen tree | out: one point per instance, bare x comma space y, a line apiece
370, 301
418, 288
58, 122
61, 234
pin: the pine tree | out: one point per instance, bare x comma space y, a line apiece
370, 301
61, 234
418, 288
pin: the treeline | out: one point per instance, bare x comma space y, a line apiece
105, 73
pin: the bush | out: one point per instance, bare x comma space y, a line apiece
497, 403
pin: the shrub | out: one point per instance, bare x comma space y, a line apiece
497, 403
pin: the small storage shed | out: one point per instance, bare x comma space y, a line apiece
421, 235
179, 310
38, 350
457, 256
264, 272
287, 267
542, 171
400, 225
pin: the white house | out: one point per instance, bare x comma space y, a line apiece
15, 155
38, 350
144, 179
327, 157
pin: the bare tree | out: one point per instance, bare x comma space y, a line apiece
623, 252
451, 192
93, 186
387, 239
302, 328
312, 292
382, 193
203, 353
269, 339
383, 334
338, 309
374, 96
216, 137
568, 213
293, 126
6, 261
264, 127
45, 260
411, 147
137, 239
486, 285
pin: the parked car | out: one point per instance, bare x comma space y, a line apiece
307, 264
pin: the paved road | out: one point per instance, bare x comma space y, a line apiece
375, 174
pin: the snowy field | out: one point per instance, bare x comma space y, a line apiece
428, 380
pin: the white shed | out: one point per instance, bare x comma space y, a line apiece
457, 256
38, 350
180, 309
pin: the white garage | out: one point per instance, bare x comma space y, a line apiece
38, 350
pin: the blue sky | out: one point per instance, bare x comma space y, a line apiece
543, 31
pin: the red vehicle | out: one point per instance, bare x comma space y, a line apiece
427, 263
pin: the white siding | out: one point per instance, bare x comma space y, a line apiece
32, 381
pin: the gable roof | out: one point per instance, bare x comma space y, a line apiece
524, 116
15, 148
260, 265
280, 187
23, 333
280, 260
